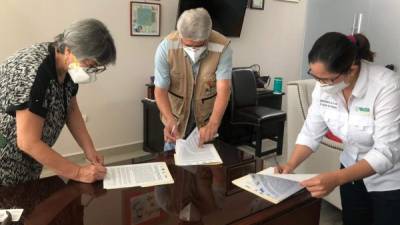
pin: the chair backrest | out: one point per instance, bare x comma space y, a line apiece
244, 91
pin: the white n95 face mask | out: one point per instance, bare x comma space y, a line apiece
333, 88
194, 53
79, 75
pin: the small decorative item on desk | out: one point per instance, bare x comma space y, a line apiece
278, 85
150, 89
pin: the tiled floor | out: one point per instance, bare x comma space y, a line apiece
330, 215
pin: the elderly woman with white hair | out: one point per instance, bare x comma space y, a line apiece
193, 67
38, 87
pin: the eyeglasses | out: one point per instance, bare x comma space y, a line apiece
89, 69
325, 81
95, 69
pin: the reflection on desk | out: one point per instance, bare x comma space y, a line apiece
48, 201
198, 196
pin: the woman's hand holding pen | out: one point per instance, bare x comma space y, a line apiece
94, 157
284, 168
95, 170
91, 173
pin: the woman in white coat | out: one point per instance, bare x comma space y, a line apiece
360, 103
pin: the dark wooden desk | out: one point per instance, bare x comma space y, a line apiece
52, 201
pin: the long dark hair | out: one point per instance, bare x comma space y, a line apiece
338, 51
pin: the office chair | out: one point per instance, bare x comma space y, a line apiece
266, 122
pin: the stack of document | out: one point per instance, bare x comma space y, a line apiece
270, 186
137, 175
188, 152
15, 214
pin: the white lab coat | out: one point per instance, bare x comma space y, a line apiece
369, 128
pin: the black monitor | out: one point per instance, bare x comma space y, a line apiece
227, 15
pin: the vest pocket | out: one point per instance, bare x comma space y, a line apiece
176, 102
208, 98
205, 108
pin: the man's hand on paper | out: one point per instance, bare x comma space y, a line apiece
321, 185
171, 131
208, 133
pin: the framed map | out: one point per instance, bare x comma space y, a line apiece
145, 19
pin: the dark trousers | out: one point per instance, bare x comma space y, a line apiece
361, 207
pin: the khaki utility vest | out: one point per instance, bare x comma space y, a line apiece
183, 86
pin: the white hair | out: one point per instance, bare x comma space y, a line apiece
88, 39
195, 24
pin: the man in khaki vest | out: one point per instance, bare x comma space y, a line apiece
193, 69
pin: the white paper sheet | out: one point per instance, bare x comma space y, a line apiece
194, 138
271, 186
143, 175
291, 176
276, 188
15, 213
189, 153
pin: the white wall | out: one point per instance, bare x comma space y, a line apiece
272, 38
326, 16
380, 24
384, 31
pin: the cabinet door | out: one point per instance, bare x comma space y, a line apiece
153, 137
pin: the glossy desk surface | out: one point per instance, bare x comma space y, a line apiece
198, 196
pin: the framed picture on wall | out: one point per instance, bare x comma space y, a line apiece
145, 19
257, 4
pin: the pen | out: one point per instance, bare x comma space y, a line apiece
277, 165
173, 128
